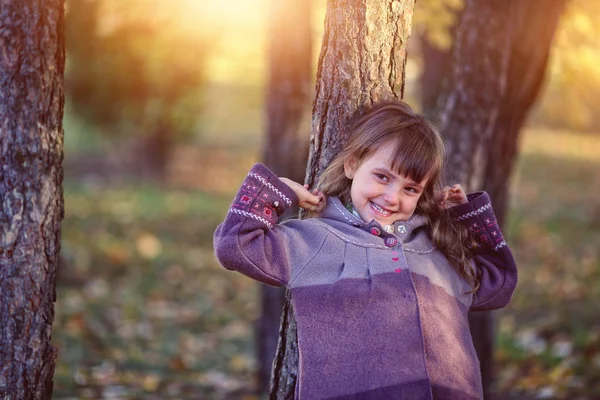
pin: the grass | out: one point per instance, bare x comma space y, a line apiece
142, 305
145, 311
549, 341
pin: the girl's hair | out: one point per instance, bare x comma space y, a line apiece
419, 153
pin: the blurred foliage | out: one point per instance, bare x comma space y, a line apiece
143, 309
549, 340
435, 18
573, 92
135, 66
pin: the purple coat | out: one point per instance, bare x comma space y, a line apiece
379, 315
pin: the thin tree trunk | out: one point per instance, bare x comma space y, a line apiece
31, 151
499, 60
285, 149
362, 60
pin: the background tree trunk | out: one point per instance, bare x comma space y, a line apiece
285, 149
499, 60
362, 60
31, 152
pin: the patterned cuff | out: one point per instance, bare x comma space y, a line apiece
263, 196
478, 216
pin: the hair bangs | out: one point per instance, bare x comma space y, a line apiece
416, 157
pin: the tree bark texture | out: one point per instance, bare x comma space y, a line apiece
285, 150
362, 60
477, 82
32, 59
499, 61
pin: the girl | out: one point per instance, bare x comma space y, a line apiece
384, 276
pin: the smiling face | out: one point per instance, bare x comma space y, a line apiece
380, 194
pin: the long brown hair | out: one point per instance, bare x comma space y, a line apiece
419, 153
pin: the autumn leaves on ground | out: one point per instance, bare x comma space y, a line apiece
145, 311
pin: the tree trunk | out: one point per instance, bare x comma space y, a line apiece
530, 49
285, 149
499, 60
32, 61
433, 70
362, 61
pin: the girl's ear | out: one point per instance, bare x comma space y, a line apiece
350, 167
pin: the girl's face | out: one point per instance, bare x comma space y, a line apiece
380, 194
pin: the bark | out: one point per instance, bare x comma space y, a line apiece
362, 61
285, 149
32, 58
477, 83
499, 60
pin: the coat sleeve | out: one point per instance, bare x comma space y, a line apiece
250, 241
494, 263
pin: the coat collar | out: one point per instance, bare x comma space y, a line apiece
392, 234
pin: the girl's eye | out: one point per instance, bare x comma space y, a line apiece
412, 190
382, 177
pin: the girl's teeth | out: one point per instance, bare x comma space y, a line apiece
381, 210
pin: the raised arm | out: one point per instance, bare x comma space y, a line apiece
251, 242
494, 262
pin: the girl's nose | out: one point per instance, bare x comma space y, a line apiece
391, 197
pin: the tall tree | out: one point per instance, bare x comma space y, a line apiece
498, 64
285, 149
362, 61
32, 60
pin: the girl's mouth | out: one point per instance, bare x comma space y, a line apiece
379, 210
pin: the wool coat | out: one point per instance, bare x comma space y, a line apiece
380, 315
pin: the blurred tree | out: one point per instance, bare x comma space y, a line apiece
285, 149
135, 69
497, 67
573, 84
359, 64
31, 154
434, 27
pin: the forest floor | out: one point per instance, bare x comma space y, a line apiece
144, 311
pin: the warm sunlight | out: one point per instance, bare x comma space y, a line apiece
238, 28
232, 14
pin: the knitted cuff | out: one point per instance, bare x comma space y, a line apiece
263, 196
478, 216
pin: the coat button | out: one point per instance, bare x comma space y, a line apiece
401, 228
391, 242
376, 231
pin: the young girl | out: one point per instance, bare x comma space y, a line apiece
383, 278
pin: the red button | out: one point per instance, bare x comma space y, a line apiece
391, 242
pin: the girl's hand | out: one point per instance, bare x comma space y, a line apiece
314, 201
451, 196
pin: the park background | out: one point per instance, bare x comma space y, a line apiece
144, 310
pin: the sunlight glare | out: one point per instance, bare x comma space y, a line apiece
231, 13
